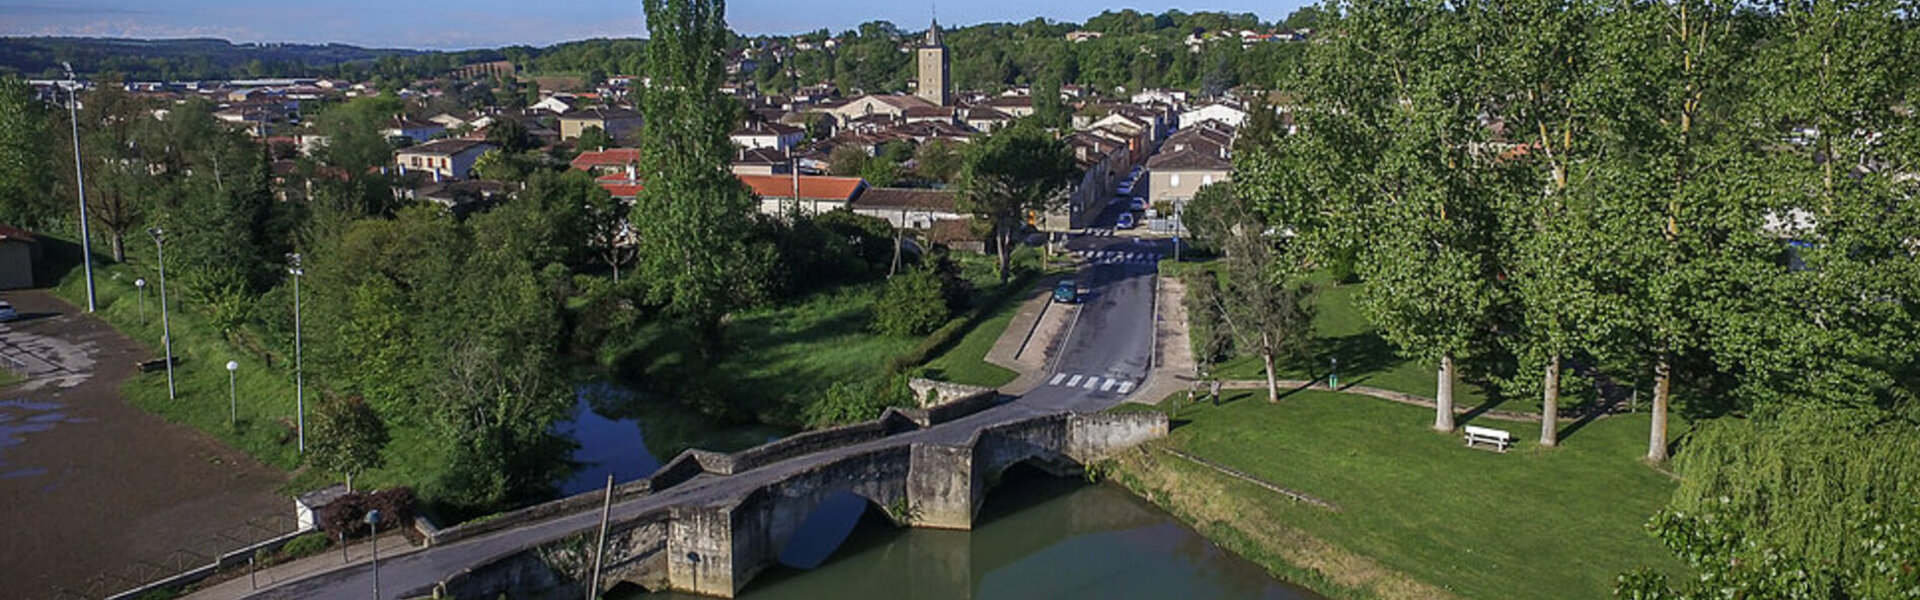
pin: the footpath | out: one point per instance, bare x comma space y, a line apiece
392, 545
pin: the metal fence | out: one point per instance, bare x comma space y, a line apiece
196, 554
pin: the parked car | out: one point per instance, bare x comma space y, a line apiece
1126, 221
1066, 292
1137, 203
6, 311
1135, 173
1126, 188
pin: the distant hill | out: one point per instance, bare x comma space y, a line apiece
179, 59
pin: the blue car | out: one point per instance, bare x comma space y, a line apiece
1125, 222
1066, 292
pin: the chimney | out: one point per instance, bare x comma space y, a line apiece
631, 175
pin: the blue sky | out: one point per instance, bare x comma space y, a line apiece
449, 24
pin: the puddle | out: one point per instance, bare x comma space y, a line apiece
19, 418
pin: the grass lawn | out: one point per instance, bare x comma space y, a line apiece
265, 395
1531, 523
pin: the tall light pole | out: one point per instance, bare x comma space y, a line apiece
299, 383
233, 396
166, 327
373, 532
141, 284
80, 180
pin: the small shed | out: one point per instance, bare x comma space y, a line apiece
19, 252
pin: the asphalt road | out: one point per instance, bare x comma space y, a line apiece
1111, 341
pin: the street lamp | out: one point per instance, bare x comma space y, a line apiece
373, 532
166, 328
233, 396
141, 284
299, 383
79, 178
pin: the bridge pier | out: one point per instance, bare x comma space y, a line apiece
701, 551
944, 490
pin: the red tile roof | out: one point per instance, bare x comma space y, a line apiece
811, 186
611, 157
11, 233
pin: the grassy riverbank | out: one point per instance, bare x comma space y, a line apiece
1418, 513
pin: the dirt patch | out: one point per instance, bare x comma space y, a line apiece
99, 494
1223, 509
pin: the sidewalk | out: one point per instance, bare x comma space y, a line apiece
1023, 347
391, 544
1173, 365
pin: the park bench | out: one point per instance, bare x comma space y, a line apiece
1499, 439
158, 364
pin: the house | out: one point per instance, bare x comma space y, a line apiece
1019, 107
445, 159
19, 252
600, 162
762, 161
815, 193
890, 105
1078, 35
618, 123
1225, 114
418, 131
463, 197
558, 105
759, 134
453, 121
987, 119
1174, 176
909, 208
930, 114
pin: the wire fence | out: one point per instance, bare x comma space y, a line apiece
195, 554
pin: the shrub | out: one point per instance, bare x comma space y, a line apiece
913, 304
305, 545
853, 402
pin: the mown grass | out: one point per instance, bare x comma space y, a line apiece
1531, 523
1341, 331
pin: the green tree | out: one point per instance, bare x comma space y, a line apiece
848, 160
593, 138
912, 304
1011, 176
348, 437
694, 216
1262, 304
937, 160
26, 163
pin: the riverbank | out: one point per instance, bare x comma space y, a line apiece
1417, 515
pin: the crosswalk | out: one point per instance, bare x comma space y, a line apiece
1092, 383
1098, 232
1116, 257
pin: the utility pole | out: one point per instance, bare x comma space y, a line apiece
166, 327
80, 181
600, 548
299, 383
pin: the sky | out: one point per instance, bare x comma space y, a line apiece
458, 24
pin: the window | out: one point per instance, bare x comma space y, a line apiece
1173, 180
1206, 180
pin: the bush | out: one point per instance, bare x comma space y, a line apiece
349, 512
914, 303
853, 402
305, 545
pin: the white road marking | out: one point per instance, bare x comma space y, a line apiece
1075, 381
1091, 381
1108, 386
1056, 378
1126, 386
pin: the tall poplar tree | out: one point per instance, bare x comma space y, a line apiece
694, 217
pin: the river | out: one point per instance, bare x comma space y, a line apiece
1037, 537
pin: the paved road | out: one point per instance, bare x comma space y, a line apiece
1112, 340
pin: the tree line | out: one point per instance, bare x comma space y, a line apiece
1710, 201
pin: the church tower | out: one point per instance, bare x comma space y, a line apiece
933, 68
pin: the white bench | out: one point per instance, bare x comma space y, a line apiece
1499, 439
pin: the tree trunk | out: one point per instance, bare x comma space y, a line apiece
1550, 405
349, 482
1266, 355
1443, 401
1005, 252
1662, 386
119, 247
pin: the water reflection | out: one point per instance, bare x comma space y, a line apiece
625, 433
21, 417
1037, 537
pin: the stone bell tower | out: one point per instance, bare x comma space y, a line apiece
933, 68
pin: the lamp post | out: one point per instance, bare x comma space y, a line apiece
233, 396
299, 375
79, 178
141, 284
166, 328
1333, 374
373, 532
